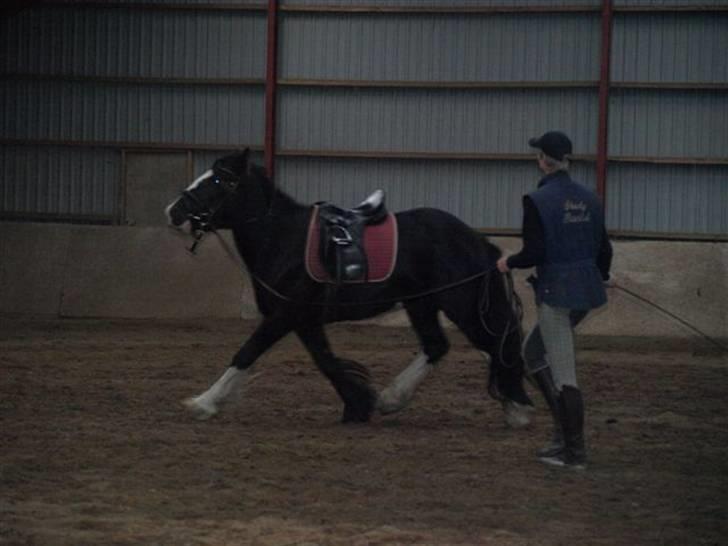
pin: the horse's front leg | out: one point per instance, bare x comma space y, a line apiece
350, 379
269, 332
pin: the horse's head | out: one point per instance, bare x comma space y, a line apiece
207, 202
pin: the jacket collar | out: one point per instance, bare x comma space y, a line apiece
554, 176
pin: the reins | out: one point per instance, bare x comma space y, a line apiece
514, 299
205, 221
673, 316
207, 226
288, 299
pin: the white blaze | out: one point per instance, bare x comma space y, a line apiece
204, 176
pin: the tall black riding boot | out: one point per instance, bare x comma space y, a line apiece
545, 383
571, 405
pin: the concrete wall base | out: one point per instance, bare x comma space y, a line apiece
146, 272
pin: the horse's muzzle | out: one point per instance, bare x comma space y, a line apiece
176, 214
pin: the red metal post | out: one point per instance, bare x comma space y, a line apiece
271, 80
603, 129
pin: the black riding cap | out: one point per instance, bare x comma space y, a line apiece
553, 143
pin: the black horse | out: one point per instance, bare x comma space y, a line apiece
442, 265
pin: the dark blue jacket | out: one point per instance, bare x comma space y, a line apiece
573, 227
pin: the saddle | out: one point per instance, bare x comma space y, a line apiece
342, 245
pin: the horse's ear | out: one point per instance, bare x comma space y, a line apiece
236, 163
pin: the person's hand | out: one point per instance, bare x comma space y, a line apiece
502, 265
611, 282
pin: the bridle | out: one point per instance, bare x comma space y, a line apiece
202, 221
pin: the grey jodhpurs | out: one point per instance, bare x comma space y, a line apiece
551, 343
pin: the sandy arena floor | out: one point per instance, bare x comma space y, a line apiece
96, 449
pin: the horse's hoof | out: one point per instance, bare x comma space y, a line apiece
200, 410
351, 415
389, 402
515, 414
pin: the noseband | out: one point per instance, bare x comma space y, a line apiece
200, 221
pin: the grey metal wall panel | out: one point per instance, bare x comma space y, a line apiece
433, 120
668, 124
668, 3
670, 47
483, 194
230, 43
504, 47
214, 4
668, 198
59, 180
131, 113
134, 43
442, 3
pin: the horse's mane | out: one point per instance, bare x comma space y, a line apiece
259, 172
281, 199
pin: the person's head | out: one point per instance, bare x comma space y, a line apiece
554, 149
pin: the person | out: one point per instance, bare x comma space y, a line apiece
565, 238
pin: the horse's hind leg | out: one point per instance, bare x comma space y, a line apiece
506, 379
350, 379
434, 343
497, 336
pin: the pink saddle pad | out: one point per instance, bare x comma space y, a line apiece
380, 245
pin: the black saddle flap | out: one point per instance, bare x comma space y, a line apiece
342, 237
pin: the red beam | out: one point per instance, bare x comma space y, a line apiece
603, 129
271, 77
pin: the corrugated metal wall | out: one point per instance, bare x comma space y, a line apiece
467, 47
470, 187
427, 120
79, 182
92, 41
83, 83
431, 92
432, 100
669, 120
